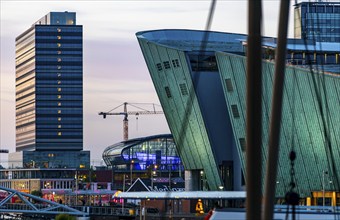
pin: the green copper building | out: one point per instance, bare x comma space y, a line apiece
203, 95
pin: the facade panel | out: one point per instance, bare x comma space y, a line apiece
307, 126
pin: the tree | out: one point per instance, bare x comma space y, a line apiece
65, 217
37, 193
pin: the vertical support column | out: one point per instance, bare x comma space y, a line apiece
334, 198
192, 178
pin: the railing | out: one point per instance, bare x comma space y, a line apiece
106, 210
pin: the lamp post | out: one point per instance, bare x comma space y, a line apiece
202, 180
221, 188
131, 165
323, 186
153, 173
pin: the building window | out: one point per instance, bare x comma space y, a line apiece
59, 37
235, 111
59, 119
59, 74
59, 111
59, 133
58, 44
167, 91
59, 82
59, 126
166, 65
243, 144
59, 52
59, 59
183, 88
59, 103
59, 96
59, 89
59, 29
50, 155
229, 85
175, 63
58, 67
159, 66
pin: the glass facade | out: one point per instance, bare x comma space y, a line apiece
318, 21
49, 85
143, 153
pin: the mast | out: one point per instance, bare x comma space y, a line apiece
275, 120
254, 111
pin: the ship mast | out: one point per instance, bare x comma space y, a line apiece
276, 112
254, 111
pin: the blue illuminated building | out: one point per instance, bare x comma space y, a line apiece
145, 158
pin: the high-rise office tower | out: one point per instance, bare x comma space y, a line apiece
318, 21
49, 85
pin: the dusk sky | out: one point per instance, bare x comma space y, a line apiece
114, 68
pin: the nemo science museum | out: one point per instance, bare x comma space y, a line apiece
202, 90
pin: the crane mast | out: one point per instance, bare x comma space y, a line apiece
126, 113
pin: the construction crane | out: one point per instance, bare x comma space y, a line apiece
126, 113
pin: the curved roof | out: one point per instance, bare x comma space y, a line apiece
191, 40
116, 149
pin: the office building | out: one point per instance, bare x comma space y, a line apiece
49, 92
317, 21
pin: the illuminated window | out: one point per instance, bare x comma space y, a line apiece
59, 111
81, 166
50, 155
59, 37
59, 89
59, 126
59, 59
59, 82
59, 119
58, 44
59, 74
58, 29
59, 52
59, 103
59, 67
59, 133
59, 96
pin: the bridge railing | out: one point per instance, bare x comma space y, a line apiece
106, 210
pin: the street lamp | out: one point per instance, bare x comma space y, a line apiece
221, 202
131, 164
153, 173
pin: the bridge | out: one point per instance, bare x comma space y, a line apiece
34, 205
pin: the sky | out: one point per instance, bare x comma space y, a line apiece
114, 68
